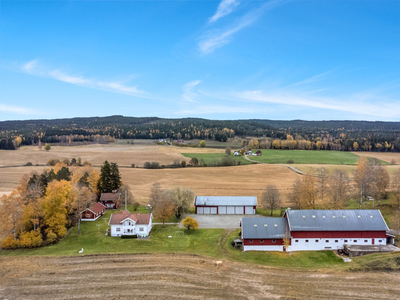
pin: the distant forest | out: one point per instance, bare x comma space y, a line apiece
296, 134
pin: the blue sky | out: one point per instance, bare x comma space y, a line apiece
229, 59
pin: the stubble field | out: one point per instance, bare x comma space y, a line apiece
180, 276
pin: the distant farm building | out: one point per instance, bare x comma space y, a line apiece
93, 213
225, 205
125, 223
258, 153
315, 230
110, 200
180, 141
236, 153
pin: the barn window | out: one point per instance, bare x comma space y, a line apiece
355, 241
274, 241
365, 241
326, 241
296, 241
323, 217
345, 241
306, 241
251, 241
261, 241
336, 241
380, 241
317, 241
87, 216
333, 216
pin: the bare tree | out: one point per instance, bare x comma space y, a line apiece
363, 179
183, 199
155, 194
339, 186
322, 174
271, 198
83, 199
228, 151
294, 195
308, 192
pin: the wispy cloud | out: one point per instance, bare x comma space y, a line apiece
215, 109
16, 109
188, 94
216, 38
312, 79
34, 68
224, 8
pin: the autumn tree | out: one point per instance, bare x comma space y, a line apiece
253, 144
155, 194
190, 223
381, 182
11, 214
82, 198
202, 143
322, 174
228, 151
362, 178
308, 192
47, 147
396, 183
271, 198
183, 199
294, 195
338, 190
163, 207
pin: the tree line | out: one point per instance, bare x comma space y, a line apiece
297, 134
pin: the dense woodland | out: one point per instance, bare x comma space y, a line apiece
311, 135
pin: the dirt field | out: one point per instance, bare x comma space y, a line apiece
385, 156
178, 276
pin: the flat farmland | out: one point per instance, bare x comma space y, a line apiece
385, 156
180, 276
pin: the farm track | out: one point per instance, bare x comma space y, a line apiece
178, 276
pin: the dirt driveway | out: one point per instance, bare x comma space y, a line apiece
219, 221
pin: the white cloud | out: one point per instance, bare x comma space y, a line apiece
188, 94
214, 39
313, 78
15, 109
214, 109
33, 68
224, 8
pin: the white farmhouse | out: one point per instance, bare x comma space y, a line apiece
125, 223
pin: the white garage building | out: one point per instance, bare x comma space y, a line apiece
225, 205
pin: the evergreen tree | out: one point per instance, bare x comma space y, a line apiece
115, 177
104, 183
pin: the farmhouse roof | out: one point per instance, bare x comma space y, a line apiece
225, 200
116, 219
110, 196
263, 228
96, 208
336, 220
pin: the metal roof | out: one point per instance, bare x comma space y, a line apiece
225, 200
263, 228
336, 220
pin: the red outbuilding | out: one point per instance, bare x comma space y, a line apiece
93, 213
110, 200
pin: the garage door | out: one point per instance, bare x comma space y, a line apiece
213, 210
222, 210
207, 210
239, 210
230, 210
200, 211
249, 210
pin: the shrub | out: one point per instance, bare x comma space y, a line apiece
29, 164
47, 147
153, 165
129, 236
136, 206
9, 242
86, 163
31, 239
53, 162
183, 163
132, 165
73, 162
202, 143
290, 161
194, 161
392, 162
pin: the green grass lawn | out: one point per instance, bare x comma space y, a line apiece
209, 158
308, 157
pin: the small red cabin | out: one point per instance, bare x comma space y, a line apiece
93, 213
110, 200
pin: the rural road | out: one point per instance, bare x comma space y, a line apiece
290, 167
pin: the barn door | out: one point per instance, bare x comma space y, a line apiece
207, 210
230, 210
200, 210
213, 210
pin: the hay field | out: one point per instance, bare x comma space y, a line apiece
385, 156
180, 276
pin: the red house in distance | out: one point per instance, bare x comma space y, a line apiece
93, 213
110, 200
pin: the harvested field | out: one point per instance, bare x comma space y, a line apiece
179, 276
385, 156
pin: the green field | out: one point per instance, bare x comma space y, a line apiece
308, 157
210, 158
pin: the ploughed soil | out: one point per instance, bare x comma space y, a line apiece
180, 276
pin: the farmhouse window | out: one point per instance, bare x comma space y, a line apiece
306, 241
274, 241
251, 241
141, 229
118, 229
261, 241
380, 241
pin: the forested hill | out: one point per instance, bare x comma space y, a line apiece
326, 135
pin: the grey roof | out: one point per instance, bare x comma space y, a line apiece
336, 220
225, 200
263, 228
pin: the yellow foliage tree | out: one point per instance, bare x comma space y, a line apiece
190, 223
276, 144
30, 239
355, 146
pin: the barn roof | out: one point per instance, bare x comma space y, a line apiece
139, 218
109, 196
263, 228
96, 208
336, 220
225, 200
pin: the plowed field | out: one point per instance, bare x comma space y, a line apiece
179, 276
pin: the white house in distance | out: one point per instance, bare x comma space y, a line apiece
308, 230
125, 223
225, 205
